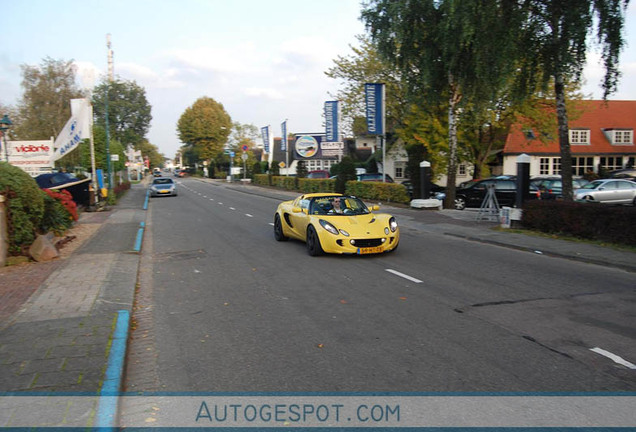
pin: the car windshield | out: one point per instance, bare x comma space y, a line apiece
338, 205
162, 181
594, 185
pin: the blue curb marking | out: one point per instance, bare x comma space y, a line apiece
147, 198
107, 410
140, 236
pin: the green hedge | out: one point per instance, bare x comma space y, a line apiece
388, 192
614, 224
25, 206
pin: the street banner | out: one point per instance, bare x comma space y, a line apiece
374, 100
265, 135
75, 130
283, 140
331, 121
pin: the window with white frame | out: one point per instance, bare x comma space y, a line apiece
399, 171
581, 165
544, 166
612, 162
462, 171
580, 136
623, 137
549, 166
556, 166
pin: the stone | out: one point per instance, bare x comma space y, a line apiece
43, 249
427, 204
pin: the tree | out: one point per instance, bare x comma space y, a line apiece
346, 172
553, 43
205, 126
451, 50
129, 113
365, 66
45, 105
301, 169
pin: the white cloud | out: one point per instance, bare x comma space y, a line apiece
267, 93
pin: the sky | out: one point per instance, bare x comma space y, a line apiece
265, 61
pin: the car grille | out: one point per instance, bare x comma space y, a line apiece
363, 243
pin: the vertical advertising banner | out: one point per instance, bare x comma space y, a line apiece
75, 130
283, 140
265, 135
373, 93
331, 121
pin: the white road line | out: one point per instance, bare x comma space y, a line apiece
614, 357
271, 223
220, 203
248, 215
211, 199
397, 273
232, 208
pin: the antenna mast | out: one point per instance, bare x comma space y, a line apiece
111, 67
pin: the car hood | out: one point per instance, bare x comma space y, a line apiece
360, 224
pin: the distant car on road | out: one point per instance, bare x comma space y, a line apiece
609, 191
335, 223
162, 186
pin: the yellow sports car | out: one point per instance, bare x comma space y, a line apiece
335, 223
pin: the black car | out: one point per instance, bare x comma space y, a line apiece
473, 194
626, 173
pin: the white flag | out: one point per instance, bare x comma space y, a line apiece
76, 129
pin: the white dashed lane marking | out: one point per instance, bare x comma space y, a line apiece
402, 275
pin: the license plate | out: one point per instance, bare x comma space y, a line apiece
370, 250
164, 191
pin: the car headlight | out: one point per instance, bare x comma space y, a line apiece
393, 224
326, 225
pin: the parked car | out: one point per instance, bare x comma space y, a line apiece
438, 192
162, 186
609, 191
377, 177
553, 188
335, 223
473, 193
318, 174
627, 173
78, 188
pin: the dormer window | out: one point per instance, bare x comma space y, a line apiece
580, 136
623, 137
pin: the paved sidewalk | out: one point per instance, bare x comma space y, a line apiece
56, 330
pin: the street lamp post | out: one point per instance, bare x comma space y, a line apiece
5, 124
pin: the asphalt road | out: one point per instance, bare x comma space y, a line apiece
234, 310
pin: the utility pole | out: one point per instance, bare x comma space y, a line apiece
109, 79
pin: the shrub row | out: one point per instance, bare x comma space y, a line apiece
614, 224
389, 192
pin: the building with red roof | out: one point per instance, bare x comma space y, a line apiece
601, 136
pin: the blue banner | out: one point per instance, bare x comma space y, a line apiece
283, 140
265, 135
373, 97
331, 121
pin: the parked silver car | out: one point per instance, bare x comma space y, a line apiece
610, 191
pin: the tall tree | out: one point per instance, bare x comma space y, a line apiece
450, 50
554, 43
45, 105
129, 112
205, 126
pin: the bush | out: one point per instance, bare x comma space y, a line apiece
25, 206
59, 212
613, 224
388, 192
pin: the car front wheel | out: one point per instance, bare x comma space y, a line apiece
460, 203
313, 242
278, 229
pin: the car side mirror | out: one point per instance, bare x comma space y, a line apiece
375, 207
297, 210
